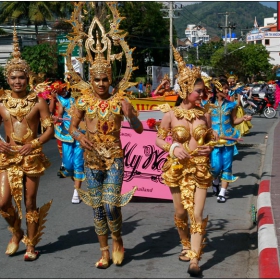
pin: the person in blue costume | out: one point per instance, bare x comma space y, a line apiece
72, 153
223, 117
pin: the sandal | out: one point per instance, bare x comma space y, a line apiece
183, 255
31, 256
13, 246
103, 263
194, 269
221, 199
118, 255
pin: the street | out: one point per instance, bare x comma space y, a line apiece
69, 247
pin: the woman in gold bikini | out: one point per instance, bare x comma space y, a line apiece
22, 161
187, 169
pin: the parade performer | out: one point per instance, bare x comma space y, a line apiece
103, 114
223, 117
163, 88
187, 169
22, 161
235, 95
72, 153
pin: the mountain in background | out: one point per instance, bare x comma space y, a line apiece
210, 14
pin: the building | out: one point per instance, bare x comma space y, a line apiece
268, 36
196, 34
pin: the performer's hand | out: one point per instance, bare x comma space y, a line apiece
204, 150
84, 142
25, 150
247, 118
181, 153
5, 147
216, 135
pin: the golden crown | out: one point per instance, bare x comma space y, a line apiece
16, 63
186, 76
98, 44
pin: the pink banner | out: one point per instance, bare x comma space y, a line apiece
143, 161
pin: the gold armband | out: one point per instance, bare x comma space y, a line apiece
162, 133
35, 144
47, 122
166, 147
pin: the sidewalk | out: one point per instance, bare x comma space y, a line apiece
268, 208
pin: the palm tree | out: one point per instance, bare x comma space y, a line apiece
37, 12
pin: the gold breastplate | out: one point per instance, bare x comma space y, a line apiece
180, 134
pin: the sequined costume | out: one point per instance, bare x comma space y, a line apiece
104, 164
190, 173
222, 155
72, 154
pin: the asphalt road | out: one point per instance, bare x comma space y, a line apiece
69, 247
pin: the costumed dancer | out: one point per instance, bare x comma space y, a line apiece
223, 116
164, 88
103, 114
235, 95
22, 161
72, 153
187, 169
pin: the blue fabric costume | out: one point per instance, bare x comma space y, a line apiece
72, 154
222, 155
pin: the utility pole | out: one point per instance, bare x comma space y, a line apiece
171, 16
226, 27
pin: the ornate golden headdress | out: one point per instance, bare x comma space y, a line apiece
166, 77
16, 63
99, 43
186, 76
232, 76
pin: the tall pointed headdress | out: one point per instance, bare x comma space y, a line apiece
16, 63
98, 45
186, 76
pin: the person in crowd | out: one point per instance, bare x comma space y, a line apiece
235, 95
164, 88
72, 153
104, 157
22, 161
187, 169
140, 89
224, 118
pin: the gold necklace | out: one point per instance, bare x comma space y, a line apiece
188, 114
18, 107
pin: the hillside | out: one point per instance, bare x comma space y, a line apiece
207, 14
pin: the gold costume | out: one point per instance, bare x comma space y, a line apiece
17, 166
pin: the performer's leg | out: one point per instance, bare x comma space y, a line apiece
9, 213
198, 226
111, 197
181, 222
32, 215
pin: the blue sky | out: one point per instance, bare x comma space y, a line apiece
270, 4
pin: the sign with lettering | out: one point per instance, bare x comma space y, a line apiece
62, 44
255, 37
143, 161
272, 34
149, 104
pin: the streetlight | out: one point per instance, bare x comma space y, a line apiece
236, 50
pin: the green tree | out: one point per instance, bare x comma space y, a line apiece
3, 81
41, 58
245, 63
37, 12
148, 32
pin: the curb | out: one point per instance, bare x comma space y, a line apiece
267, 241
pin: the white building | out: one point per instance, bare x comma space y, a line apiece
196, 34
267, 36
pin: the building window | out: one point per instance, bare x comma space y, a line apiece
266, 42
